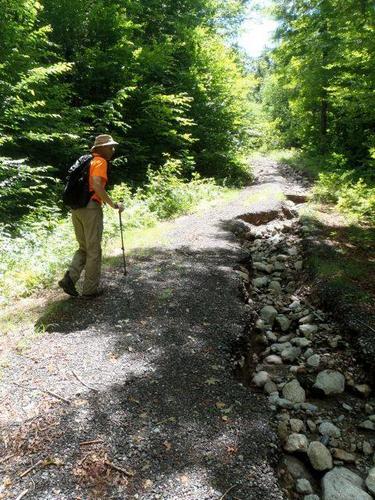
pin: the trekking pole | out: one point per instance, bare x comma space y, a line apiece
122, 243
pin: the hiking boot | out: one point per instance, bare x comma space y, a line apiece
67, 285
94, 295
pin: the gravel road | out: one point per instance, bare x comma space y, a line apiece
145, 372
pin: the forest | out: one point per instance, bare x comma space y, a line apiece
185, 103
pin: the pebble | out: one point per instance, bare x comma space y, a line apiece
275, 287
311, 497
367, 448
283, 321
363, 389
367, 424
301, 342
270, 387
311, 425
319, 456
260, 282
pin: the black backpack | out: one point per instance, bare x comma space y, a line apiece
77, 193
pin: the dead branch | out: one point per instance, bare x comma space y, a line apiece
94, 441
119, 469
31, 468
83, 383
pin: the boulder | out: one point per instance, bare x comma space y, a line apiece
330, 382
342, 484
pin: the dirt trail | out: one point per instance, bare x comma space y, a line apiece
145, 372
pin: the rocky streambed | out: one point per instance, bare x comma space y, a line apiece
307, 366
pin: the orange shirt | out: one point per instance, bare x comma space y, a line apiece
98, 168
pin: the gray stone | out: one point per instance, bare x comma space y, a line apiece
311, 497
319, 456
301, 342
273, 359
268, 314
306, 319
308, 330
294, 392
261, 378
296, 425
367, 448
296, 468
260, 282
370, 481
283, 321
260, 324
342, 455
367, 424
298, 265
270, 387
313, 361
271, 336
290, 354
261, 266
329, 429
280, 347
303, 486
311, 425
342, 484
275, 287
330, 382
296, 442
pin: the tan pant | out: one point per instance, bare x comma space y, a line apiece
88, 227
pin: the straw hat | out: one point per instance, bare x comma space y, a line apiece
104, 140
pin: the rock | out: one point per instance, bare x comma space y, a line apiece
290, 354
370, 481
342, 455
309, 352
283, 321
279, 347
308, 330
330, 382
367, 424
311, 425
313, 361
275, 287
342, 484
283, 431
309, 408
270, 387
301, 342
268, 314
295, 305
261, 266
296, 442
294, 392
363, 389
296, 468
319, 456
298, 265
286, 338
296, 425
261, 378
311, 497
306, 319
273, 359
260, 282
303, 486
347, 407
260, 324
367, 448
271, 336
329, 429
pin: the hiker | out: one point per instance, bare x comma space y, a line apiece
88, 224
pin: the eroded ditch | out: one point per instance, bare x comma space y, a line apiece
305, 364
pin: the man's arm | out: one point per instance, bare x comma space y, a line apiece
100, 191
